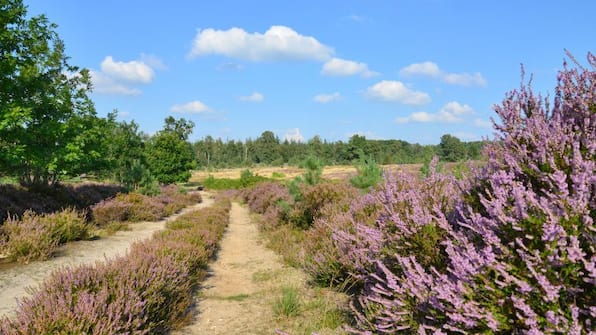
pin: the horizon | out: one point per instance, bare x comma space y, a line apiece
404, 70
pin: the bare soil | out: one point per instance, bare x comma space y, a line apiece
228, 302
15, 279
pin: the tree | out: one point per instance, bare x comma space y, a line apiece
126, 153
169, 154
48, 124
267, 148
451, 149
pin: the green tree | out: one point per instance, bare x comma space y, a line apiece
48, 124
169, 153
127, 157
451, 149
369, 174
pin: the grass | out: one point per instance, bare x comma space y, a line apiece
288, 305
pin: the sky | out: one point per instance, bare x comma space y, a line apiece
409, 70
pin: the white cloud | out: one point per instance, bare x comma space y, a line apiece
388, 90
452, 112
133, 71
464, 79
153, 61
343, 67
424, 69
293, 135
104, 84
116, 77
480, 123
277, 43
193, 107
326, 98
255, 97
431, 69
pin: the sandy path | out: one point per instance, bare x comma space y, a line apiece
233, 300
15, 278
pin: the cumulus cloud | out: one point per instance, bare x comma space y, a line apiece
326, 98
452, 112
293, 135
343, 67
423, 69
104, 84
255, 97
193, 107
277, 43
430, 69
133, 71
118, 78
389, 90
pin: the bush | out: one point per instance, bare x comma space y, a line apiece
313, 198
135, 207
35, 237
145, 292
27, 239
369, 175
517, 251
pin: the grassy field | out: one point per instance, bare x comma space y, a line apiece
289, 172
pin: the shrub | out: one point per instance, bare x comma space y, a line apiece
369, 175
145, 292
27, 239
518, 250
313, 198
35, 237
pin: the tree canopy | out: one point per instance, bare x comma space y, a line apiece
48, 124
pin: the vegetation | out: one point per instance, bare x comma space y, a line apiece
269, 150
507, 249
147, 291
36, 236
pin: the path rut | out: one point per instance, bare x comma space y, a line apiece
233, 299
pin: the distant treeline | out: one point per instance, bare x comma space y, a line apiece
268, 149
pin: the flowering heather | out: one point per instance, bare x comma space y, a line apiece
271, 199
145, 292
35, 237
134, 207
518, 248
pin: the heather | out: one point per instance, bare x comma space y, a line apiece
135, 207
509, 250
16, 200
147, 291
35, 237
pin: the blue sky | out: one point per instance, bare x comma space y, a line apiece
411, 70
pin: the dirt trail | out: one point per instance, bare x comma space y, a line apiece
16, 278
235, 299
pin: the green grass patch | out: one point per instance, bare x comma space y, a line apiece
288, 305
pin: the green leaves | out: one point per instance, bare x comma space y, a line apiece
48, 125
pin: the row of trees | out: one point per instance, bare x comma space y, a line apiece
270, 150
49, 128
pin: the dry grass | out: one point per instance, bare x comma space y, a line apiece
333, 172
